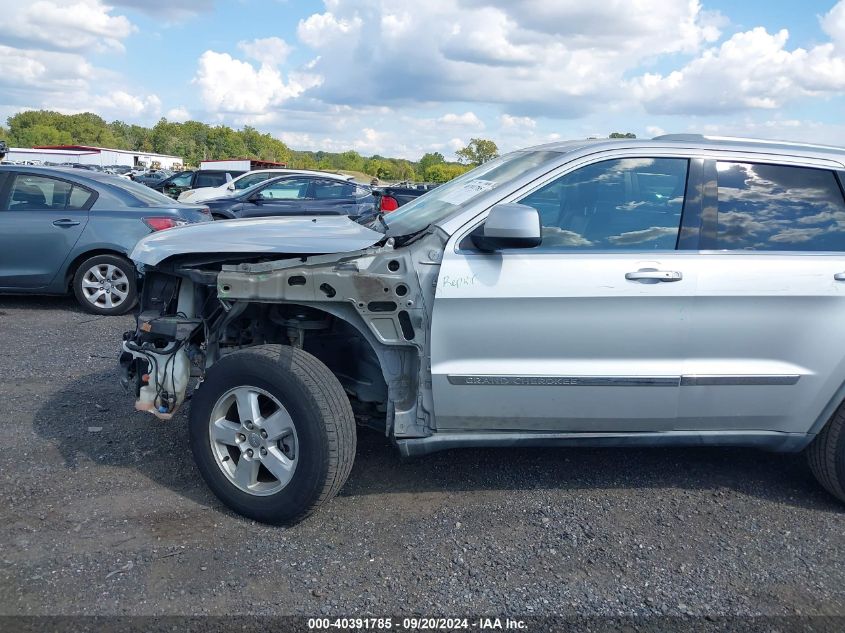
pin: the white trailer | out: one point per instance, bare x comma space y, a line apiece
86, 155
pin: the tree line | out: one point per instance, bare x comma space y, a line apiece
195, 141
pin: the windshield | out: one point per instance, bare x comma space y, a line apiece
441, 202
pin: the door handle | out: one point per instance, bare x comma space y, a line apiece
650, 274
839, 276
65, 222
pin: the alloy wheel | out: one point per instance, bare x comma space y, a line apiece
253, 440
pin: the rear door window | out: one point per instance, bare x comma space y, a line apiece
30, 192
778, 208
332, 190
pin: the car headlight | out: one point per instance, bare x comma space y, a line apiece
187, 194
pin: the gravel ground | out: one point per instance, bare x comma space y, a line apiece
104, 513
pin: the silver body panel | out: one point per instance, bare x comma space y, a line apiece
282, 235
542, 347
742, 342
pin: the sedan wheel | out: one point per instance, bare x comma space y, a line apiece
105, 284
253, 440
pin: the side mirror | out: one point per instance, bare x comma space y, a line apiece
257, 198
509, 225
230, 186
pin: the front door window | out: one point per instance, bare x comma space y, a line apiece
624, 204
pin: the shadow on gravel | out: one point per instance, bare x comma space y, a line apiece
93, 418
159, 450
38, 302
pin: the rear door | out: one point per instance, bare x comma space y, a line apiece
585, 333
333, 197
767, 330
41, 219
281, 197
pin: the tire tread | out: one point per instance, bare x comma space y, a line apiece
317, 383
825, 454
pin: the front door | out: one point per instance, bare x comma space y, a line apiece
41, 219
585, 333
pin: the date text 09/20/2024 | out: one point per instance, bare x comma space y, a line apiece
416, 624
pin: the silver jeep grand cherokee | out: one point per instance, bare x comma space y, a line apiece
676, 291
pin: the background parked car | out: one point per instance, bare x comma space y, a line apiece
245, 181
65, 230
152, 177
391, 197
185, 180
298, 195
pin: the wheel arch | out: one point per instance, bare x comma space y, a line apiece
398, 364
76, 262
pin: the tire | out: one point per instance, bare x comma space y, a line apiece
826, 455
118, 292
320, 446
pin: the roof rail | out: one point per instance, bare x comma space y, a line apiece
680, 137
740, 139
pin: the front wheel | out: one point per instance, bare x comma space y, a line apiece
273, 433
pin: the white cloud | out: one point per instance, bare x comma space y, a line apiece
321, 28
752, 69
235, 86
562, 58
129, 105
467, 119
45, 60
43, 70
833, 23
66, 24
178, 114
806, 130
524, 122
272, 51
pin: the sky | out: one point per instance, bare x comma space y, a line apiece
404, 77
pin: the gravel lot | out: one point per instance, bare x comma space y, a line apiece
104, 513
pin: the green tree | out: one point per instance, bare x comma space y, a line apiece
350, 160
443, 172
429, 159
622, 135
478, 151
35, 135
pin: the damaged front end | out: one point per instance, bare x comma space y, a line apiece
365, 314
158, 358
